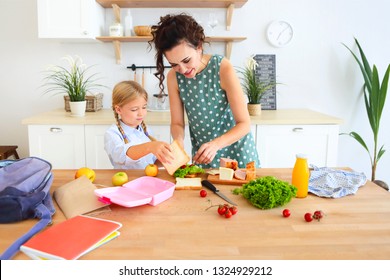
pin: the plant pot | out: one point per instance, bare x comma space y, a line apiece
77, 108
254, 109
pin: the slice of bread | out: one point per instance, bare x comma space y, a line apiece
188, 183
250, 171
180, 158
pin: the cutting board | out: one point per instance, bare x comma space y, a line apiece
215, 180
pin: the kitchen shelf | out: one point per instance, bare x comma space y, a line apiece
229, 5
117, 42
172, 3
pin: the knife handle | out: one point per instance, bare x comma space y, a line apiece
209, 185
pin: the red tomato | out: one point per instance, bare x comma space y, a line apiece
234, 210
203, 193
286, 213
308, 217
222, 209
318, 215
228, 214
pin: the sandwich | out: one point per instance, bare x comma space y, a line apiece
180, 158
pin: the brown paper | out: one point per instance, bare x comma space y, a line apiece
77, 197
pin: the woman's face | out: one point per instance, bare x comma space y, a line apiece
185, 60
133, 113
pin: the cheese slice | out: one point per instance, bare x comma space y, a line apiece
226, 173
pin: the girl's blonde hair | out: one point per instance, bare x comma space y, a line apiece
123, 93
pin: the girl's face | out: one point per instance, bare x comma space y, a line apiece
133, 113
185, 59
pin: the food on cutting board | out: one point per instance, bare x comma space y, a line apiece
267, 192
226, 173
151, 170
188, 183
250, 171
180, 158
188, 171
229, 169
228, 163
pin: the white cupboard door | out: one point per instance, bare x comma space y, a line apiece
69, 19
96, 156
278, 144
62, 145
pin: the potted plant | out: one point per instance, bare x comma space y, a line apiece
253, 88
73, 81
374, 99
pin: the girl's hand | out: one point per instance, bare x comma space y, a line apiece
162, 151
206, 153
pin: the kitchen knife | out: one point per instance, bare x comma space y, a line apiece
211, 187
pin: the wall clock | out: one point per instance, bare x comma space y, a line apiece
279, 33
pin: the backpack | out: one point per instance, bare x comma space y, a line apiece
25, 194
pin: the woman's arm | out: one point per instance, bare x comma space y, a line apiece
176, 108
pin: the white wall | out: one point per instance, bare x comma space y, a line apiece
316, 70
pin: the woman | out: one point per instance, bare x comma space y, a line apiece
208, 89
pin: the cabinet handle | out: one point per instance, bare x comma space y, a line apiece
297, 129
55, 129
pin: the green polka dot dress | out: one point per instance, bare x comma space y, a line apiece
209, 115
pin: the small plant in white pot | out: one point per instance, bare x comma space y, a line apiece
73, 81
253, 88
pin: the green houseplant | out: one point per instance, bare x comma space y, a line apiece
74, 81
374, 99
253, 88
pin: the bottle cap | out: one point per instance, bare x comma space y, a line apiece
301, 156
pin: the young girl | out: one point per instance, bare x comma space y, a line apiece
207, 87
128, 143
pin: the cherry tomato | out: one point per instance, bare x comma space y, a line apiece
222, 209
318, 215
228, 213
286, 213
234, 210
203, 193
308, 217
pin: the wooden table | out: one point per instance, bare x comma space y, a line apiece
355, 227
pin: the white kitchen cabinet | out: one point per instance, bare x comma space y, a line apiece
62, 145
70, 19
278, 145
96, 156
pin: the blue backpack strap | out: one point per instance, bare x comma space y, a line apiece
45, 220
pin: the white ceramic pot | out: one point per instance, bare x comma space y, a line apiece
77, 108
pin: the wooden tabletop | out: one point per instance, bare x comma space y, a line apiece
354, 227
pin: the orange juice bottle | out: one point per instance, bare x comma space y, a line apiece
300, 176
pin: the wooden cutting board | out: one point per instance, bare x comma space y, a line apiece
215, 180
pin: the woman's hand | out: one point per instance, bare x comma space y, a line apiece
206, 152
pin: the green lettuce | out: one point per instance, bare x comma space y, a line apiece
267, 192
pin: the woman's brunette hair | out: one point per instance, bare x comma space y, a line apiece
171, 31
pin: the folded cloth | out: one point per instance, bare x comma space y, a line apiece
334, 183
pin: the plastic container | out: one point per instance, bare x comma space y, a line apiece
301, 175
143, 190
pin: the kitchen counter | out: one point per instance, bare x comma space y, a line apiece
106, 116
354, 227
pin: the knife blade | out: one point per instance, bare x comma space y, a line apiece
211, 187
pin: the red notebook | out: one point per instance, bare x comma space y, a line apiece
71, 239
